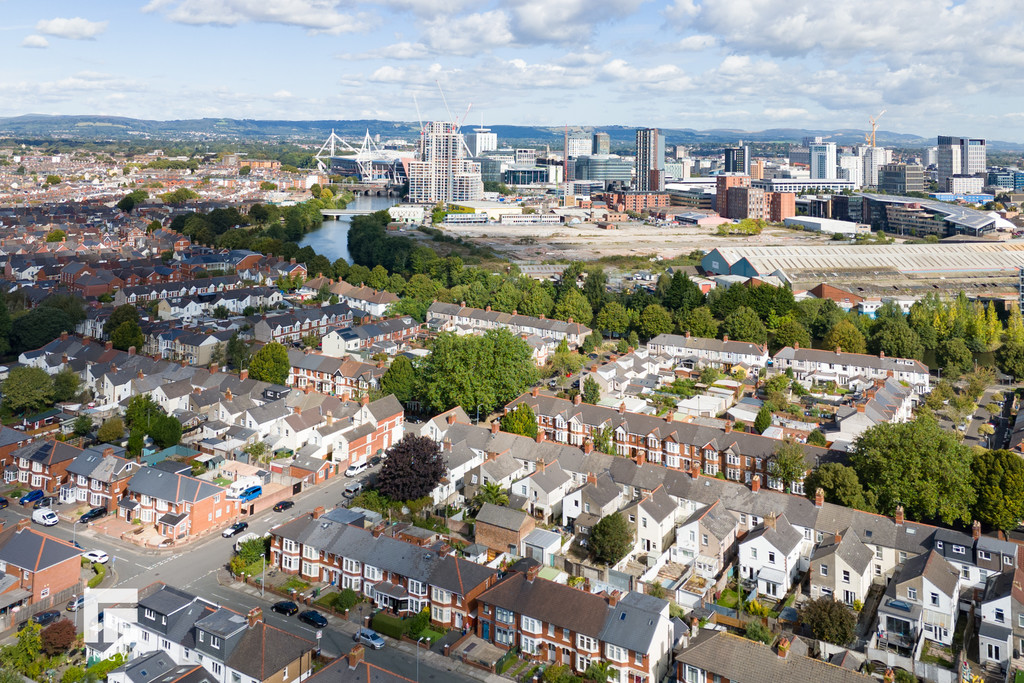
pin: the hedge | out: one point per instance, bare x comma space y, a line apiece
388, 625
101, 573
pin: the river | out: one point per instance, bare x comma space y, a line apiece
331, 240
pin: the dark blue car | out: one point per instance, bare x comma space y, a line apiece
32, 496
313, 618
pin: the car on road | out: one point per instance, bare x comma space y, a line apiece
284, 505
31, 497
285, 607
96, 556
3, 502
313, 618
375, 460
353, 489
46, 517
369, 638
236, 528
356, 468
75, 603
47, 617
92, 515
44, 502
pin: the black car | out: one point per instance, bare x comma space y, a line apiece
3, 503
92, 515
284, 505
375, 460
46, 618
313, 618
236, 528
285, 607
44, 502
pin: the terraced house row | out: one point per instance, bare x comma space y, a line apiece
461, 318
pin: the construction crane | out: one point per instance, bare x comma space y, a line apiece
874, 127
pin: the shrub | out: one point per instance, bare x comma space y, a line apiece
759, 632
73, 674
416, 624
388, 625
101, 573
58, 637
345, 600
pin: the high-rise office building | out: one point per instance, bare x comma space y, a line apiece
723, 184
930, 157
602, 143
851, 167
481, 140
526, 156
823, 160
442, 173
603, 167
650, 160
959, 156
873, 159
900, 178
746, 202
579, 144
737, 159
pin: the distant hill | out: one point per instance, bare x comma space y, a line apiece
122, 128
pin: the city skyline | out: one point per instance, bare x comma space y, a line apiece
684, 64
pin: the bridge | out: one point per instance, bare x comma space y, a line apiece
335, 214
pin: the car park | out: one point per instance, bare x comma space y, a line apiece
236, 528
313, 618
285, 607
284, 505
369, 638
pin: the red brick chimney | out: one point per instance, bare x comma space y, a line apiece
889, 677
535, 392
64, 336
131, 350
355, 657
298, 410
976, 530
366, 399
244, 374
23, 524
108, 346
228, 396
900, 519
695, 469
214, 367
86, 339
641, 458
532, 572
819, 497
769, 521
796, 345
622, 408
108, 452
451, 418
613, 598
540, 435
755, 483
254, 616
577, 399
588, 446
140, 375
591, 478
783, 647
725, 337
318, 512
670, 416
495, 427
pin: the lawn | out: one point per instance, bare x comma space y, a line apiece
432, 635
295, 583
221, 481
729, 598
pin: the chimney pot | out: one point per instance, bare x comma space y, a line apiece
254, 616
796, 345
725, 337
976, 530
695, 469
451, 418
532, 572
900, 518
613, 598
588, 446
577, 399
355, 657
108, 346
214, 367
244, 374
535, 392
318, 512
591, 478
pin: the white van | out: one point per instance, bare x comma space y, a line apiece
45, 516
356, 468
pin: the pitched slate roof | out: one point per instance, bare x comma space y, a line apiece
501, 517
551, 602
35, 551
157, 483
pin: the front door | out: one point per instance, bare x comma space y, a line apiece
486, 630
993, 652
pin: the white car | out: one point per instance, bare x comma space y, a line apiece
96, 556
357, 468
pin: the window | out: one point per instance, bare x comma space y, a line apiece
615, 653
983, 555
530, 625
878, 570
771, 557
632, 519
938, 545
586, 643
217, 668
503, 615
958, 549
753, 553
912, 594
165, 644
1000, 617
824, 570
214, 641
878, 553
846, 576
903, 557
149, 614
1007, 559
703, 539
530, 646
504, 636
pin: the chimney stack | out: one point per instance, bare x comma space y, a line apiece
451, 418
254, 616
695, 469
535, 392
588, 446
769, 521
783, 647
108, 346
23, 524
900, 519
64, 336
670, 416
591, 478
725, 337
355, 657
244, 374
976, 530
108, 452
819, 497
889, 677
366, 399
540, 435
532, 572
214, 367
131, 350
577, 399
495, 427
140, 375
318, 512
755, 483
796, 346
228, 396
298, 410
622, 408
613, 598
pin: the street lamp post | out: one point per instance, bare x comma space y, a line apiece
478, 412
418, 658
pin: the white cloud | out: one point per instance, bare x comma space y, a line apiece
469, 35
318, 16
72, 29
35, 41
427, 8
547, 21
664, 77
282, 94
696, 43
402, 50
785, 113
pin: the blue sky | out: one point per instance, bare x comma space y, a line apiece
936, 67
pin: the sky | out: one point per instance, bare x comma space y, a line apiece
934, 66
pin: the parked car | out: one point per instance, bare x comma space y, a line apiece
313, 618
92, 515
356, 468
353, 489
31, 496
44, 502
75, 603
375, 460
3, 502
96, 556
236, 528
47, 617
285, 607
284, 505
46, 517
369, 638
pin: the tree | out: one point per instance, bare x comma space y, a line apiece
829, 620
918, 465
413, 468
604, 441
655, 320
246, 170
5, 327
744, 324
40, 326
121, 314
954, 357
65, 385
791, 333
491, 492
237, 352
520, 420
595, 287
613, 318
166, 431
574, 306
82, 425
700, 323
840, 485
788, 464
844, 335
270, 364
136, 442
759, 632
53, 180
763, 420
817, 438
110, 431
257, 451
127, 335
56, 236
999, 483
591, 391
893, 337
221, 312
683, 294
610, 539
400, 379
27, 390
1010, 358
140, 412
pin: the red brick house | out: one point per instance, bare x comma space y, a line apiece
178, 506
35, 566
41, 465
